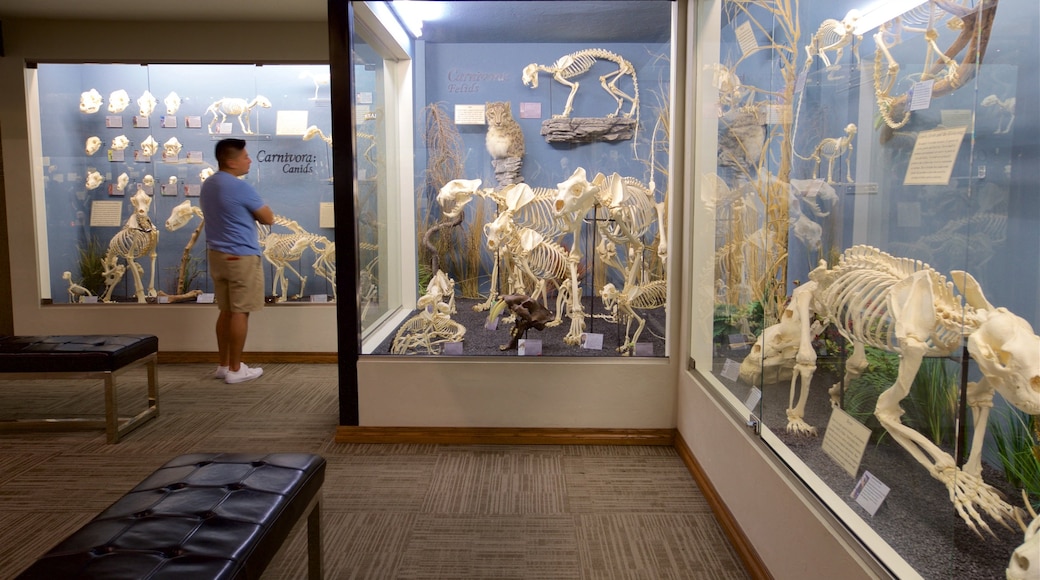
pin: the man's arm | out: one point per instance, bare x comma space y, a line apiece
264, 215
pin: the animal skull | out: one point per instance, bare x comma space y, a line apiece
92, 145
90, 101
94, 180
172, 147
120, 143
147, 104
205, 174
180, 215
122, 181
455, 194
118, 101
1008, 354
1025, 560
149, 146
172, 102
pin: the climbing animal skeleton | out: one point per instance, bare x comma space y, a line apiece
580, 62
236, 107
902, 306
138, 238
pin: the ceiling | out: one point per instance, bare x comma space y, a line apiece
464, 21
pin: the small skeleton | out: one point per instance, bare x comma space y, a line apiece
428, 330
904, 306
137, 239
236, 107
580, 62
76, 292
834, 35
1005, 108
832, 148
622, 304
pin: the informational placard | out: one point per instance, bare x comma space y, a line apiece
168, 121
168, 189
193, 122
453, 348
192, 190
469, 115
746, 38
751, 402
529, 347
163, 299
140, 157
921, 95
869, 493
327, 214
194, 156
644, 349
845, 440
106, 214
592, 341
730, 370
492, 324
224, 128
934, 154
114, 121
364, 98
320, 298
116, 155
88, 299
530, 110
140, 122
290, 123
171, 157
205, 298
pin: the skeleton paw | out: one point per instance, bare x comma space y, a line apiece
553, 323
971, 496
798, 426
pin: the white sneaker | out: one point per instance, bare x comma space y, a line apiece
220, 373
244, 374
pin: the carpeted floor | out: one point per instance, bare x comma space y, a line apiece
390, 511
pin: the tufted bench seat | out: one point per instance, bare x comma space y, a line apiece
100, 357
202, 516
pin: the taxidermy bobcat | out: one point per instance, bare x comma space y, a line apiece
504, 137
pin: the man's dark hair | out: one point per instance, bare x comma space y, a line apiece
227, 148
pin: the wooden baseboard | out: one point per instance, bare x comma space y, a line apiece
745, 550
504, 436
172, 357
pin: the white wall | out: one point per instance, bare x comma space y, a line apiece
283, 328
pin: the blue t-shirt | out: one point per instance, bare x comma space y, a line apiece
227, 205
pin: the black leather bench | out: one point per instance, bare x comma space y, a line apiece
101, 357
202, 516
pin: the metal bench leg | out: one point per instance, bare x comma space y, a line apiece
314, 559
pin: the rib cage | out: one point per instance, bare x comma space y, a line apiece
538, 214
855, 296
637, 208
649, 296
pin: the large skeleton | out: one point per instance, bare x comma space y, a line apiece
137, 239
902, 306
580, 62
630, 209
236, 107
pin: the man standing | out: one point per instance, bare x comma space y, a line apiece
230, 207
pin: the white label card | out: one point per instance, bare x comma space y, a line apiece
469, 115
644, 349
168, 121
88, 299
326, 214
106, 214
746, 38
869, 493
163, 299
845, 440
753, 398
319, 297
730, 370
492, 324
193, 122
205, 298
934, 154
921, 95
592, 341
114, 121
140, 122
529, 347
290, 123
453, 348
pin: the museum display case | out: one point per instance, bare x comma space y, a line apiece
540, 191
124, 149
864, 267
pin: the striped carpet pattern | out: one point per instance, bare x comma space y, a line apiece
409, 511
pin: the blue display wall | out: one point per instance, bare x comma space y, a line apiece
293, 175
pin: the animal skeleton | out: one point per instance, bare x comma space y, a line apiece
899, 305
432, 326
137, 239
282, 249
235, 107
578, 63
631, 210
179, 217
834, 35
319, 79
623, 303
832, 149
76, 292
1004, 107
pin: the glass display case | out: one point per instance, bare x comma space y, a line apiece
865, 263
540, 192
125, 149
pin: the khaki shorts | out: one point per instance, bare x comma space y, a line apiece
238, 281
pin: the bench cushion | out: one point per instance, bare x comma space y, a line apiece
199, 516
82, 353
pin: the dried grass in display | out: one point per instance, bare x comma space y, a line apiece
444, 162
